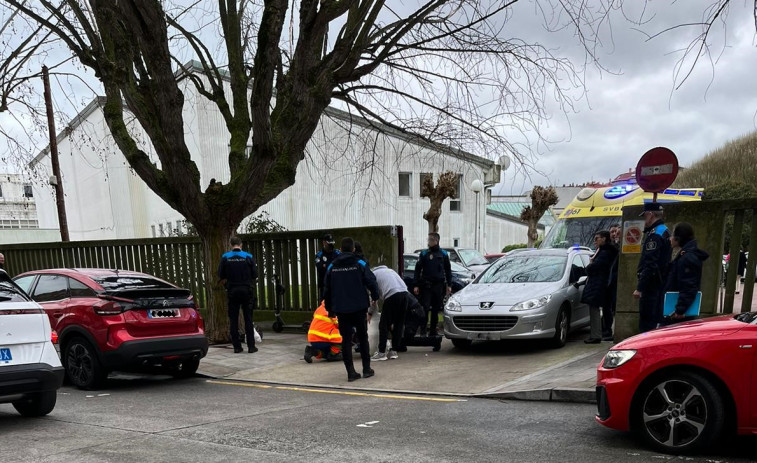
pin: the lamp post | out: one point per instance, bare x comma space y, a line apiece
477, 186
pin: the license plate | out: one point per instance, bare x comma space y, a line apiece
5, 355
162, 313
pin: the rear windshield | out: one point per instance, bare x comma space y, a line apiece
525, 269
118, 283
9, 292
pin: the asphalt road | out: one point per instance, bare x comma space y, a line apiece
155, 419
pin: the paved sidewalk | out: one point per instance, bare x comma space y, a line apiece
507, 370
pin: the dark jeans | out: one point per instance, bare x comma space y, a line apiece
650, 309
347, 323
392, 315
608, 311
240, 298
432, 299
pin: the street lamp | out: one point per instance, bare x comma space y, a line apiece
477, 186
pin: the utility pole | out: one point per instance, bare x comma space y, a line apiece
59, 198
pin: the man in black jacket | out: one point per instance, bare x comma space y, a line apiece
685, 275
652, 271
323, 259
433, 279
238, 272
347, 283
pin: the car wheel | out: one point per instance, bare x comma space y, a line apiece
680, 413
562, 326
83, 368
39, 404
462, 343
186, 369
278, 326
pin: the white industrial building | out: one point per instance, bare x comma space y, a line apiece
18, 212
355, 174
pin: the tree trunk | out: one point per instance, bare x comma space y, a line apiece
533, 233
215, 243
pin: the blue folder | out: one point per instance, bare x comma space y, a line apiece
671, 299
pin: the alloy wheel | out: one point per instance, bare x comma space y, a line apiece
674, 413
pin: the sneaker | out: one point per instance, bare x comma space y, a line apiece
379, 356
252, 349
368, 373
393, 355
308, 354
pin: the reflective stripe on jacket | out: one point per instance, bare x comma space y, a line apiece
323, 328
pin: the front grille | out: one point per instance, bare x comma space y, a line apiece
603, 406
487, 323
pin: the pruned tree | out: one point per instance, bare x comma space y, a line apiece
438, 70
541, 200
446, 187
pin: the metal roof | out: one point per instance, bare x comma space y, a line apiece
514, 209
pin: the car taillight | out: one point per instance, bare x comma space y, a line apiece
54, 337
107, 308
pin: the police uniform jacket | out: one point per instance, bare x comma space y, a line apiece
322, 261
655, 257
238, 268
433, 267
347, 281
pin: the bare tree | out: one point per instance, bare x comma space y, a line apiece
541, 200
446, 187
439, 70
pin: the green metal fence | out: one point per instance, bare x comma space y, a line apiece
287, 255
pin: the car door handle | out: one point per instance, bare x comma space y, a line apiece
745, 346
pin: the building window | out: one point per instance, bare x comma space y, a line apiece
161, 231
455, 204
422, 178
1, 191
153, 231
406, 179
169, 229
28, 193
456, 242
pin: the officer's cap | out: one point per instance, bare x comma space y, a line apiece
651, 207
328, 238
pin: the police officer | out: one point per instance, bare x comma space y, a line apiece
238, 273
348, 280
653, 267
323, 259
433, 279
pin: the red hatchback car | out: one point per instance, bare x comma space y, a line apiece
683, 386
117, 320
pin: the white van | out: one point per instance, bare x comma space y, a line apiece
30, 369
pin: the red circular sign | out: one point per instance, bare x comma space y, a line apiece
657, 170
633, 236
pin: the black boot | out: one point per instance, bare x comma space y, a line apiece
368, 373
352, 375
438, 345
308, 354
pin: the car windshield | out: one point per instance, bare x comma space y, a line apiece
472, 257
410, 262
458, 268
577, 231
117, 283
525, 269
12, 293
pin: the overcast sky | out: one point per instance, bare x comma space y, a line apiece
637, 108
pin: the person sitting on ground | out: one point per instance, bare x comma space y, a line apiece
685, 275
324, 337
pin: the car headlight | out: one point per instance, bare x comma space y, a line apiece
616, 358
453, 305
532, 303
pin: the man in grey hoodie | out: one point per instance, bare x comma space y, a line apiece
396, 302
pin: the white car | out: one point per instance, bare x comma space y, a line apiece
30, 369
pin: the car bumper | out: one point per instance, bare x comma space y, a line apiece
527, 326
150, 351
17, 381
615, 391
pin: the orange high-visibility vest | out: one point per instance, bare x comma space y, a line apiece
323, 328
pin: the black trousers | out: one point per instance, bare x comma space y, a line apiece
240, 298
432, 299
356, 321
392, 317
608, 310
650, 309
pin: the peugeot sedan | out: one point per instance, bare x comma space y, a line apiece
533, 294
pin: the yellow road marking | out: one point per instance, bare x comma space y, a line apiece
336, 392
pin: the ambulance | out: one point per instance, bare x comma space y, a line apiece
595, 209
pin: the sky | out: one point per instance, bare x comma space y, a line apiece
629, 102
635, 106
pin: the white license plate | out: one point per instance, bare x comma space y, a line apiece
162, 313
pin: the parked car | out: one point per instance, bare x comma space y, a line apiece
534, 294
461, 276
30, 369
491, 258
682, 386
468, 258
118, 320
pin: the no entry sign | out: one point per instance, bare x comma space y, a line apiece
657, 170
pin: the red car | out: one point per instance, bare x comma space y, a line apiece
683, 386
117, 320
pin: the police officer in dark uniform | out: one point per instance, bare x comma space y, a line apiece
323, 259
238, 273
433, 279
653, 268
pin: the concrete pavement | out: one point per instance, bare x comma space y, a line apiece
518, 370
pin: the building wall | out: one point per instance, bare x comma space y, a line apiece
350, 178
17, 210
